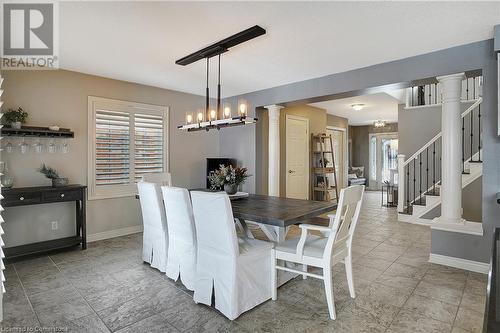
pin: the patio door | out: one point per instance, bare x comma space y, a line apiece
383, 159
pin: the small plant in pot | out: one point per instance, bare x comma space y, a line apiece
52, 174
15, 118
228, 178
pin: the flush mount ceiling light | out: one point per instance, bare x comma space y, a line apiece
357, 107
379, 123
219, 116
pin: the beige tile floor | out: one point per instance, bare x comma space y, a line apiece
108, 288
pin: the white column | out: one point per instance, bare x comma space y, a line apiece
451, 165
274, 150
401, 183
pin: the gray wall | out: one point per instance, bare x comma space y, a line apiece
478, 55
60, 97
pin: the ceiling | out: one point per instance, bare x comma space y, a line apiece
380, 106
140, 41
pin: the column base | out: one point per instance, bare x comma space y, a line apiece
457, 225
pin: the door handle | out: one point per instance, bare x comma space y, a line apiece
291, 171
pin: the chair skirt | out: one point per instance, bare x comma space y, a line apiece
155, 248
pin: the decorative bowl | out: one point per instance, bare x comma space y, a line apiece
59, 182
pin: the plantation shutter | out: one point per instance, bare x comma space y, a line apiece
149, 148
126, 141
112, 150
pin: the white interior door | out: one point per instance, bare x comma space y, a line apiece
297, 157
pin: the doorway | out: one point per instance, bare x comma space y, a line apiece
297, 157
383, 159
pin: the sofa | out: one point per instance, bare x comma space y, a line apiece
356, 176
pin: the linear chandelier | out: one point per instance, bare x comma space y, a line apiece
221, 116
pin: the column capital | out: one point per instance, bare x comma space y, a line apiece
458, 76
274, 107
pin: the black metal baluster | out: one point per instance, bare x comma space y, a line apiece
435, 93
430, 95
463, 145
467, 89
412, 104
479, 133
426, 169
408, 188
434, 167
420, 177
471, 133
414, 181
421, 95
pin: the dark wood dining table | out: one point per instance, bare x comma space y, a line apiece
275, 214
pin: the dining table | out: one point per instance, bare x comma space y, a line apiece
274, 215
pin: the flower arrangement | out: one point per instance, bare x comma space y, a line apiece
15, 117
227, 177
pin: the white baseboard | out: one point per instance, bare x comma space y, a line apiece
468, 265
114, 233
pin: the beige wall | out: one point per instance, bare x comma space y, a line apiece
336, 121
60, 97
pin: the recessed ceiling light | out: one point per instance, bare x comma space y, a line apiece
357, 107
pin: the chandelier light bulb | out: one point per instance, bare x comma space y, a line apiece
189, 118
200, 116
227, 112
243, 109
213, 115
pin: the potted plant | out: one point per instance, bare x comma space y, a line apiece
15, 117
52, 174
227, 177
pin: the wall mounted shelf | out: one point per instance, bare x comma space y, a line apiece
34, 131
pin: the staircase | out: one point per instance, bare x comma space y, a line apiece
420, 174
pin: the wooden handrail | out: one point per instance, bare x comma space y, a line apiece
466, 112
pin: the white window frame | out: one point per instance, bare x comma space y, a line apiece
128, 190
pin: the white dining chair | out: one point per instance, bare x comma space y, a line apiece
162, 178
237, 270
325, 251
181, 260
155, 231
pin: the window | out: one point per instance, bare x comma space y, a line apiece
126, 141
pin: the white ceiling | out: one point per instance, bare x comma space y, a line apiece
139, 41
381, 106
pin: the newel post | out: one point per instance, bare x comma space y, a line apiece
401, 183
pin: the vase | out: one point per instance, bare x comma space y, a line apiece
56, 182
16, 125
231, 188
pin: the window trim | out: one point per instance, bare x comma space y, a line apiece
129, 190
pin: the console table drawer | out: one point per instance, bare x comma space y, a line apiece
21, 199
63, 195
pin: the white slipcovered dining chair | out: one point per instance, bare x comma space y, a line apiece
237, 269
161, 178
325, 251
181, 235
155, 233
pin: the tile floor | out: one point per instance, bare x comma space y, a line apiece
108, 288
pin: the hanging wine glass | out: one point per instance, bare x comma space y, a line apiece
24, 147
52, 147
38, 146
9, 147
65, 147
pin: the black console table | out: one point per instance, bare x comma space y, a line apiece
25, 196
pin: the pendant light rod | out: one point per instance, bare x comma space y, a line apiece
207, 100
218, 92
